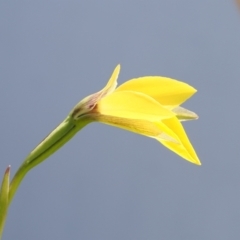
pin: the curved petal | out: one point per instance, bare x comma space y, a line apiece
174, 139
133, 105
182, 146
112, 82
142, 127
166, 91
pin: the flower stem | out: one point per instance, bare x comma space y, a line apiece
55, 140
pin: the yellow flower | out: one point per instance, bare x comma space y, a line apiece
147, 105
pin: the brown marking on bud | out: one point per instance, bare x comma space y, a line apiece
8, 169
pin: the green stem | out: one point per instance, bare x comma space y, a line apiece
56, 139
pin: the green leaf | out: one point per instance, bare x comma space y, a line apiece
4, 199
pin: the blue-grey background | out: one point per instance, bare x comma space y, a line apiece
107, 183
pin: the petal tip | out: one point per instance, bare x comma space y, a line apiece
195, 161
198, 163
118, 68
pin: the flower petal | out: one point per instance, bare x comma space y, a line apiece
175, 140
166, 91
182, 146
112, 82
133, 105
142, 127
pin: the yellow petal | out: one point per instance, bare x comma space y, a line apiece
133, 105
166, 91
182, 146
142, 127
112, 82
176, 140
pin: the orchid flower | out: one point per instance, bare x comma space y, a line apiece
147, 105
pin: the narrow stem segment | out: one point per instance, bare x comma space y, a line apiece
56, 139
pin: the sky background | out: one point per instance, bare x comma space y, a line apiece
107, 183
